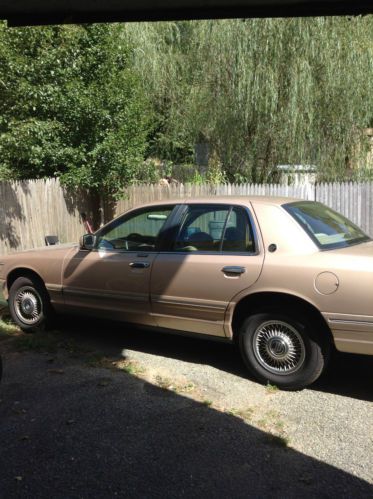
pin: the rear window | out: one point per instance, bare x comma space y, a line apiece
327, 228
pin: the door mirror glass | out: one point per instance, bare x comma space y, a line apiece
87, 242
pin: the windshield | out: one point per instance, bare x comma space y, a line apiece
327, 228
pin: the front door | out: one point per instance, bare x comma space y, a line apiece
215, 256
113, 279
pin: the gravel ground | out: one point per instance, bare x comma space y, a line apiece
95, 410
333, 428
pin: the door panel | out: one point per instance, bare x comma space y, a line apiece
113, 280
215, 256
191, 292
104, 283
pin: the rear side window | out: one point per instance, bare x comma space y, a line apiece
215, 228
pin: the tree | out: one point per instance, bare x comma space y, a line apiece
89, 103
260, 92
71, 106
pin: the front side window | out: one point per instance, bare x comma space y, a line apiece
138, 232
210, 228
327, 228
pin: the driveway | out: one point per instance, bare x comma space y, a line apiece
99, 410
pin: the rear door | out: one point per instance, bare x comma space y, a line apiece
215, 254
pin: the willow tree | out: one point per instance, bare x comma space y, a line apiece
162, 56
261, 92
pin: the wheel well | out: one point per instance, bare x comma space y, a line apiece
23, 272
258, 302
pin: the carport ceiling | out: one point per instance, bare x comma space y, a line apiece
28, 12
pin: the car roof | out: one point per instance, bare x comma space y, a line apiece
273, 200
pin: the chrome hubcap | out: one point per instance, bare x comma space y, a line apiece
28, 305
278, 347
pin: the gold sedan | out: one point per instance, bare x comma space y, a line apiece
286, 279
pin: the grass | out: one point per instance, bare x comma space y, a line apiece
275, 428
35, 343
164, 383
278, 440
127, 366
185, 388
168, 384
245, 414
130, 367
99, 360
50, 342
271, 388
268, 422
134, 368
44, 341
7, 328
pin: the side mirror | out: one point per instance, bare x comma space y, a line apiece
87, 242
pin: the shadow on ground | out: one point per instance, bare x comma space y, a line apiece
347, 375
72, 431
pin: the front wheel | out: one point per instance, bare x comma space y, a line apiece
287, 352
29, 304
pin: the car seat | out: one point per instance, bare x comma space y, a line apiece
202, 241
234, 240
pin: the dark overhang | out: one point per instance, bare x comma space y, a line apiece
29, 12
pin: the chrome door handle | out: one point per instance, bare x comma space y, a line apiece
139, 265
233, 270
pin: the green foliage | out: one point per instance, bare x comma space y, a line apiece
260, 92
89, 103
149, 173
72, 106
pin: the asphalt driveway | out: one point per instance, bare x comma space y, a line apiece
95, 410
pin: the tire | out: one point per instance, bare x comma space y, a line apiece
29, 305
285, 351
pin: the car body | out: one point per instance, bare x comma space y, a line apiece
286, 278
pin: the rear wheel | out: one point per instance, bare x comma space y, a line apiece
29, 304
288, 352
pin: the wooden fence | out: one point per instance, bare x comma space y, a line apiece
33, 209
30, 210
140, 194
354, 200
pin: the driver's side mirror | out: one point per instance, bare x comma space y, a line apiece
87, 242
